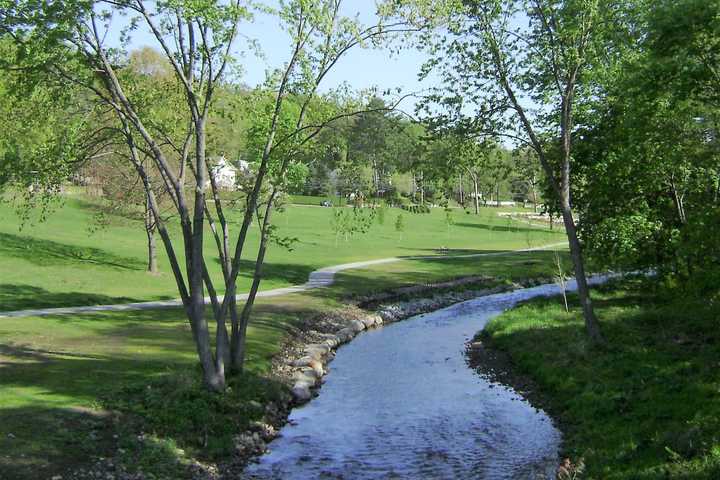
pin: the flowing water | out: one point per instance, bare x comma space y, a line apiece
401, 402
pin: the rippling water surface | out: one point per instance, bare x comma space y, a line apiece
401, 402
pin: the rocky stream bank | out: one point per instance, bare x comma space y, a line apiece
304, 358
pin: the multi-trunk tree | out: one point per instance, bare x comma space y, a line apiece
69, 43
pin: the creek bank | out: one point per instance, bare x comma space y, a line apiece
303, 362
304, 359
496, 366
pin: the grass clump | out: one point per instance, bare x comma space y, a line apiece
647, 404
172, 418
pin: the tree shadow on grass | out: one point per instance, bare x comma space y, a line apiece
20, 296
47, 252
502, 228
503, 266
293, 274
41, 442
449, 252
23, 296
141, 364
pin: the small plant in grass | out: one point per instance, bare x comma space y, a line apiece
561, 278
339, 223
528, 238
381, 211
449, 220
347, 222
400, 225
490, 221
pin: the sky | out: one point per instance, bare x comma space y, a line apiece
360, 68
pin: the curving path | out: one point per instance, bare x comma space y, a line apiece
321, 278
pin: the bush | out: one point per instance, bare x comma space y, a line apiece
416, 208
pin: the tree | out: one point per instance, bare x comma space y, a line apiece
368, 143
400, 225
67, 42
42, 135
503, 57
648, 175
472, 158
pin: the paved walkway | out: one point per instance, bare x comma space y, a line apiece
318, 279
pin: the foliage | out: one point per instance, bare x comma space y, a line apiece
347, 222
161, 107
416, 208
649, 163
172, 406
42, 133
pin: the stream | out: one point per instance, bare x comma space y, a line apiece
401, 402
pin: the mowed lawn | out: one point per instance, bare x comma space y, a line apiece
78, 387
61, 377
67, 260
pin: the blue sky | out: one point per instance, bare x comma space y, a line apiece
360, 68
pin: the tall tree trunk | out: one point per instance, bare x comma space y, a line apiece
497, 195
562, 190
476, 194
150, 232
591, 323
376, 176
462, 191
239, 346
679, 204
213, 366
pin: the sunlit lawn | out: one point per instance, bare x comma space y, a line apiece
66, 261
61, 376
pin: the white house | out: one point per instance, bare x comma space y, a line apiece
225, 173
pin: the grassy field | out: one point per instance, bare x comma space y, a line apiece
65, 261
60, 375
124, 384
315, 200
646, 405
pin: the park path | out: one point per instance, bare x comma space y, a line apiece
321, 278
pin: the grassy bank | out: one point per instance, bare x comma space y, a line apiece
68, 261
123, 385
646, 405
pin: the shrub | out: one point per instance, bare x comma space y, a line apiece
416, 208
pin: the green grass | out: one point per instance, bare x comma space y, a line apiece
315, 200
61, 374
505, 266
63, 262
646, 405
77, 387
